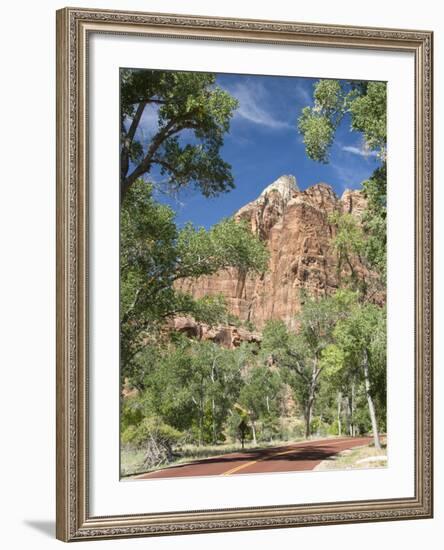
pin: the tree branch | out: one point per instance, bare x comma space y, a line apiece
165, 133
128, 139
170, 129
146, 100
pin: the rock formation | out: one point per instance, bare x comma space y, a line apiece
295, 226
228, 336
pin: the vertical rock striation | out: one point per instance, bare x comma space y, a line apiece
295, 226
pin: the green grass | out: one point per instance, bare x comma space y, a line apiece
353, 459
132, 459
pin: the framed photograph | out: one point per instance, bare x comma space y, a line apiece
244, 274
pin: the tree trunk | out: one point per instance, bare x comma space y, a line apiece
213, 403
339, 414
253, 429
371, 406
213, 413
352, 410
311, 399
201, 417
348, 421
308, 416
199, 443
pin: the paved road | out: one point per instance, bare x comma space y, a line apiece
304, 455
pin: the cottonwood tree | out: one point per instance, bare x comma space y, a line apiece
188, 115
365, 103
342, 383
301, 352
217, 376
155, 255
261, 396
192, 387
348, 242
360, 349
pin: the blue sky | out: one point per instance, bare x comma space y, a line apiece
263, 144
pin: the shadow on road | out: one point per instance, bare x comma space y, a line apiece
307, 453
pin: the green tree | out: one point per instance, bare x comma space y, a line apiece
180, 102
360, 348
167, 389
193, 387
375, 221
157, 438
217, 379
333, 387
348, 242
155, 255
301, 352
365, 103
261, 395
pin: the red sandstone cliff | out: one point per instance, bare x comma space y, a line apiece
294, 225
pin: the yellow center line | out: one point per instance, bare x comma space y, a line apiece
247, 464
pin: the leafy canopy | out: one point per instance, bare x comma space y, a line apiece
192, 115
155, 255
366, 103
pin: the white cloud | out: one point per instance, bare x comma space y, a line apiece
148, 124
360, 151
252, 98
304, 96
350, 177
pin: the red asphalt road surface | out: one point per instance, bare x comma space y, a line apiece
295, 457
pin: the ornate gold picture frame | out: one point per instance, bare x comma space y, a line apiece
75, 27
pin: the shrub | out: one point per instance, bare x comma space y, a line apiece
157, 438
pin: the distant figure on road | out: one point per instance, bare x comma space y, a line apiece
242, 431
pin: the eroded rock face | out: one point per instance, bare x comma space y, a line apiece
352, 201
228, 336
295, 226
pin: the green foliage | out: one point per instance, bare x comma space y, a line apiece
319, 427
318, 133
349, 237
194, 385
139, 434
375, 220
209, 309
350, 244
366, 105
369, 116
261, 392
203, 391
332, 360
318, 319
317, 124
365, 238
328, 97
306, 354
226, 244
363, 328
363, 335
197, 391
333, 429
182, 101
131, 414
155, 255
364, 102
276, 337
238, 426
